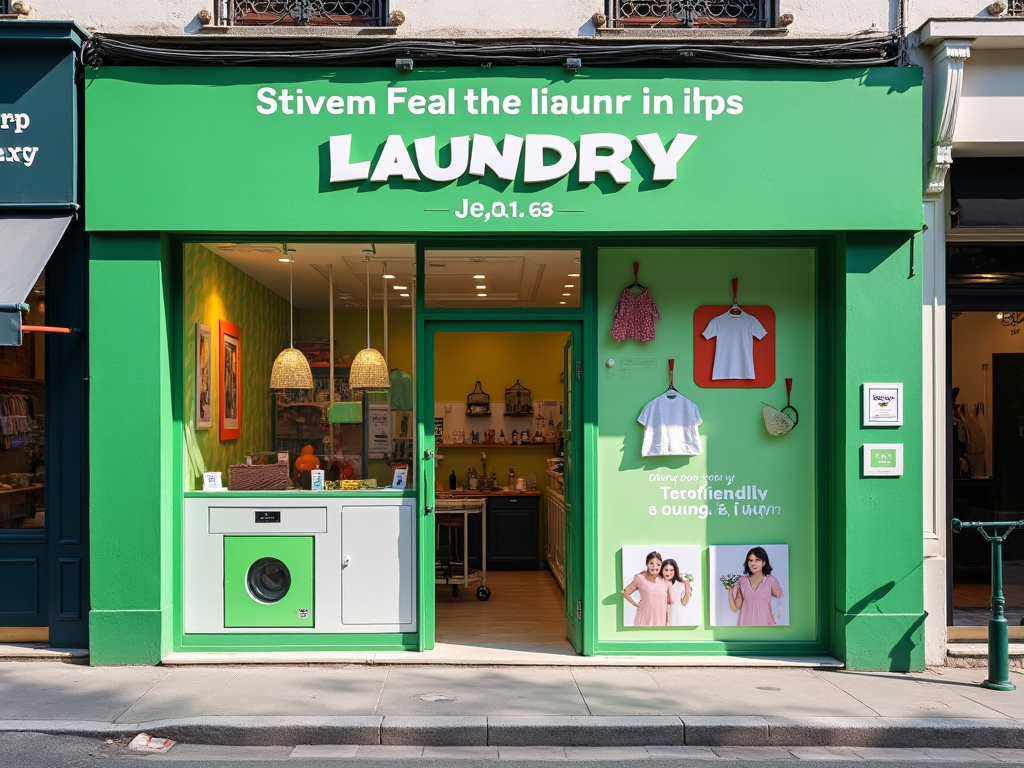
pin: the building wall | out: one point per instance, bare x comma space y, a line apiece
501, 18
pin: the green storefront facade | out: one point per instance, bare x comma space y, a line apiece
802, 185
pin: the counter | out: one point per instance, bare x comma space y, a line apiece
513, 528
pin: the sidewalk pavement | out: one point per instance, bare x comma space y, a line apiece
514, 706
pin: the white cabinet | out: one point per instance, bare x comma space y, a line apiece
378, 575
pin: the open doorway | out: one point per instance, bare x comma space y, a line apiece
986, 425
500, 428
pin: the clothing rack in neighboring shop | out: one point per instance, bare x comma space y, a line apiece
17, 411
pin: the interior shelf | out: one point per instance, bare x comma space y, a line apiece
492, 445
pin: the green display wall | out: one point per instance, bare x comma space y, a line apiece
214, 290
635, 494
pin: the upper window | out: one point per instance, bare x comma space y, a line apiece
343, 13
692, 13
1015, 8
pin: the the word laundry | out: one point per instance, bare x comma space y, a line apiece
597, 153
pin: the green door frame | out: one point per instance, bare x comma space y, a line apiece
579, 321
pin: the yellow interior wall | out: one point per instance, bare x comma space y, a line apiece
214, 290
350, 332
497, 359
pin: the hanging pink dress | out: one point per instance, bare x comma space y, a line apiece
756, 610
653, 602
634, 316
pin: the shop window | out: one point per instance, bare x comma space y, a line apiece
343, 13
236, 323
502, 279
22, 423
691, 13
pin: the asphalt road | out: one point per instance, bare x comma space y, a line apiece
30, 750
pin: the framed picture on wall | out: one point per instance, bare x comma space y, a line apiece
230, 381
735, 600
204, 373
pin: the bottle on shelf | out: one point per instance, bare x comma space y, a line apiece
511, 478
452, 480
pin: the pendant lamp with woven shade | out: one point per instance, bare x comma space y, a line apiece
291, 368
369, 370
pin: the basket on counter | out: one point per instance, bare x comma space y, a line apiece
258, 477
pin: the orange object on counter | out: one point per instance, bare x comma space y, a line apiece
307, 460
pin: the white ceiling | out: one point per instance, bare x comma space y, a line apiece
261, 261
512, 278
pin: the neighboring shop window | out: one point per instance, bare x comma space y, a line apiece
340, 13
22, 423
238, 297
502, 279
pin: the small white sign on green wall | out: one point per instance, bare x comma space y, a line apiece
883, 459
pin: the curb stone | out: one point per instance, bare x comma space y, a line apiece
557, 731
438, 731
738, 731
584, 731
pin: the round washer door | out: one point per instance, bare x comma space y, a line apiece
268, 580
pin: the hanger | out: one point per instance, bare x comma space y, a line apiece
671, 378
636, 276
735, 310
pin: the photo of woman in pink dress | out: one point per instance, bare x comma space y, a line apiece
679, 593
752, 595
652, 610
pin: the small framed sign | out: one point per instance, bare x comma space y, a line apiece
883, 405
882, 459
212, 481
401, 476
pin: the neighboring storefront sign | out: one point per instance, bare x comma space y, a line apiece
501, 150
38, 128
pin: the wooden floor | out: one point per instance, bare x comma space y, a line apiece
526, 608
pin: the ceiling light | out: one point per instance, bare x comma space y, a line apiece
570, 286
561, 302
389, 277
481, 287
481, 294
404, 295
285, 261
400, 287
479, 277
574, 274
291, 368
369, 371
567, 294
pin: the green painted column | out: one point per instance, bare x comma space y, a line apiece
878, 549
131, 448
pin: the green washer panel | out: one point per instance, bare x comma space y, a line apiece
241, 609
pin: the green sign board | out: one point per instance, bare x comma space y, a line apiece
38, 109
503, 150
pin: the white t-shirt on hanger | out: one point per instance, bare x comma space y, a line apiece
734, 349
670, 426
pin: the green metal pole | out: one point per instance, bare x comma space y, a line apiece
998, 634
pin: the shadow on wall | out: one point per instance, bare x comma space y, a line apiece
901, 656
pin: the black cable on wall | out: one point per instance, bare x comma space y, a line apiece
876, 50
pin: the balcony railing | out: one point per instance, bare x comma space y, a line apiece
1015, 8
692, 13
342, 13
